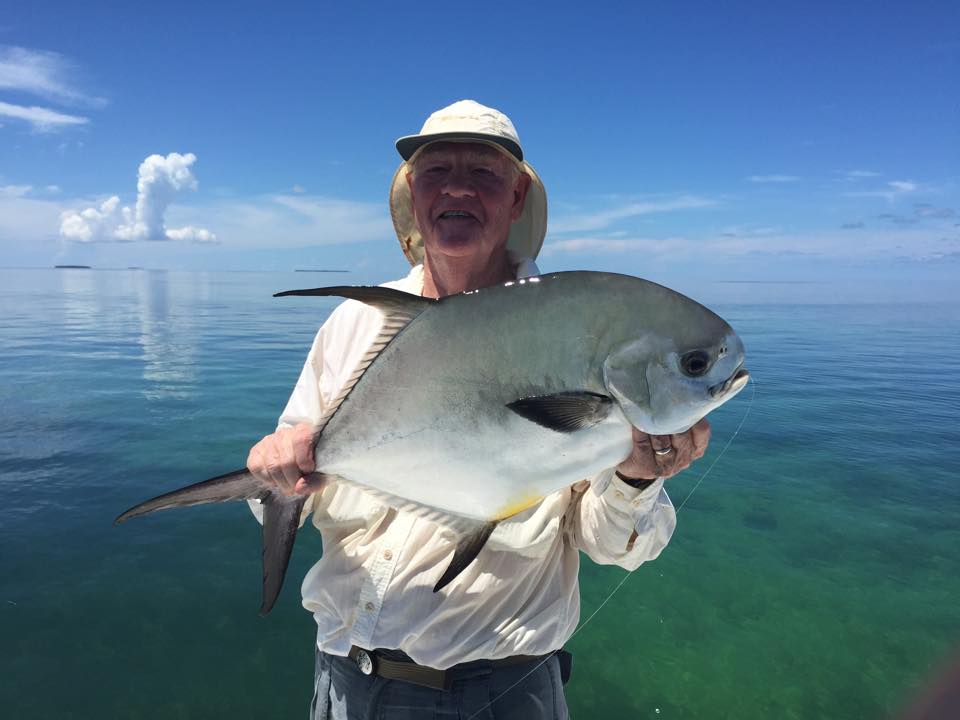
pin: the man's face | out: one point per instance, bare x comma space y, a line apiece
465, 196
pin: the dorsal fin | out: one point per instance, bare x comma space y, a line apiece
392, 303
398, 308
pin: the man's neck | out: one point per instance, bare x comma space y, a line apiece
445, 276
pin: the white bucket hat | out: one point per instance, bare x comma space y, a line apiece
469, 121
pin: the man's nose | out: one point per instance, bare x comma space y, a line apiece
459, 183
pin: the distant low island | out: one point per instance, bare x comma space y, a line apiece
73, 267
310, 270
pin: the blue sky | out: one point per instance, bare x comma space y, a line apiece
685, 142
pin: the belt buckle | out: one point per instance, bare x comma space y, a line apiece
365, 662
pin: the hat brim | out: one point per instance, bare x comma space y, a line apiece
526, 233
407, 146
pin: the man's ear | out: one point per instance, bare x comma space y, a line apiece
519, 195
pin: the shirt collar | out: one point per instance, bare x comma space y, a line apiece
525, 267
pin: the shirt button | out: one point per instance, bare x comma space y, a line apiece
387, 554
370, 606
619, 494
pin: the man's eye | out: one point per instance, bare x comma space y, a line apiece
485, 171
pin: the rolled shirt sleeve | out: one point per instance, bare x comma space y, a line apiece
606, 512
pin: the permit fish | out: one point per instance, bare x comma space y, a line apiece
472, 408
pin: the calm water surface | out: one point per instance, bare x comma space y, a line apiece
814, 572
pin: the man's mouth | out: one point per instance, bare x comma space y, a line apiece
455, 214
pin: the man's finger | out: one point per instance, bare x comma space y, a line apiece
661, 445
303, 450
664, 455
310, 483
683, 446
701, 437
285, 456
254, 461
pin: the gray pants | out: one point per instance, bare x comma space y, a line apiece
342, 692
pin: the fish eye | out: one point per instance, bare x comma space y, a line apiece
695, 363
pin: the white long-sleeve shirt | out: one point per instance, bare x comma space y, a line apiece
373, 586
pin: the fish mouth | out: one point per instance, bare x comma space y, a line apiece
732, 384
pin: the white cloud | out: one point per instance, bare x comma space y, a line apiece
854, 175
614, 245
903, 186
192, 234
160, 181
42, 119
749, 230
26, 221
23, 190
895, 190
265, 227
284, 220
108, 222
14, 190
46, 74
772, 178
855, 244
586, 222
926, 210
670, 248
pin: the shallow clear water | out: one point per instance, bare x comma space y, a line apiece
814, 572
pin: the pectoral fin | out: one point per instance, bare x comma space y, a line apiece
468, 548
281, 519
564, 412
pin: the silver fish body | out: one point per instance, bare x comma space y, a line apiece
430, 420
474, 407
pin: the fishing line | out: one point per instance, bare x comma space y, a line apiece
626, 577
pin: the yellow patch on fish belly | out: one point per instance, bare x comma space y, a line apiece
518, 505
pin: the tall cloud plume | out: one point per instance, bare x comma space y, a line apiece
160, 181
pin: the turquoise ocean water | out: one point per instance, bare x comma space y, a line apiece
814, 573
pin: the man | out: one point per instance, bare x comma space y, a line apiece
469, 212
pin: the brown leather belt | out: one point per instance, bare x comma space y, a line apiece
397, 665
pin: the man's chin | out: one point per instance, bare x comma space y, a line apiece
458, 245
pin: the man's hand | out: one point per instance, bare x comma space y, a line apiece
285, 459
676, 452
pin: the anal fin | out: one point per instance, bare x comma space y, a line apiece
281, 520
467, 550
